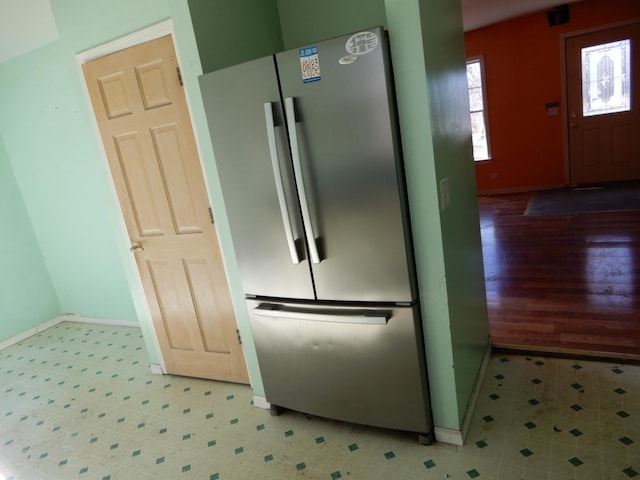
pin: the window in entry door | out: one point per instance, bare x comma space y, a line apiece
606, 78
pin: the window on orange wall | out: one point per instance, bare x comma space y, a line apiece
478, 108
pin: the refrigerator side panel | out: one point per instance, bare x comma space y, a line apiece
348, 157
341, 364
246, 124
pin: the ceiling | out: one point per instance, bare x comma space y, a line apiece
480, 13
29, 24
24, 26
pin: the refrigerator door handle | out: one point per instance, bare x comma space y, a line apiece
297, 168
277, 175
372, 317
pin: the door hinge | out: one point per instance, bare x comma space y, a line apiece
179, 76
239, 337
211, 214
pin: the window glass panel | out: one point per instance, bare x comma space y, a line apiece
473, 74
475, 99
479, 137
606, 77
479, 134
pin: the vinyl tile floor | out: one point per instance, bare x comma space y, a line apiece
79, 401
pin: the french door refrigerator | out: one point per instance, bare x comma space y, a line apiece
307, 152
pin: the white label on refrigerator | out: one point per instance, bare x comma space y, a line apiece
361, 43
309, 64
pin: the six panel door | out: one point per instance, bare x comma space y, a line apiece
146, 131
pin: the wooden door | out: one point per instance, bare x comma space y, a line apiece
146, 130
603, 85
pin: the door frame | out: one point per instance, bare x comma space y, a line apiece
563, 70
132, 273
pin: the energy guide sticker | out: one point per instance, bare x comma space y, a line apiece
361, 43
309, 64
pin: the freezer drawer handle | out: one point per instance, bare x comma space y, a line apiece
277, 175
373, 317
290, 111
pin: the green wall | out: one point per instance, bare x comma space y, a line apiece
54, 151
307, 21
49, 141
27, 297
56, 156
204, 40
427, 46
230, 33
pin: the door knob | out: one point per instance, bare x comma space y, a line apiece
136, 247
573, 125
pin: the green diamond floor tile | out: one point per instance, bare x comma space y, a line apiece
526, 452
429, 464
126, 422
575, 461
473, 473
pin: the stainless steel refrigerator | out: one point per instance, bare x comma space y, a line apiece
306, 147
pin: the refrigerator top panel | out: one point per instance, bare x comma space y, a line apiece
349, 172
249, 138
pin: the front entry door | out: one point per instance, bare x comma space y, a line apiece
603, 85
146, 131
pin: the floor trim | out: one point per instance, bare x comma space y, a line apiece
611, 357
70, 317
503, 191
29, 333
457, 437
67, 317
261, 402
448, 435
156, 369
475, 393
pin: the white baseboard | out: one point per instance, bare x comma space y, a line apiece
448, 435
29, 333
457, 437
261, 402
67, 317
71, 317
156, 369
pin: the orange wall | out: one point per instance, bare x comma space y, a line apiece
523, 72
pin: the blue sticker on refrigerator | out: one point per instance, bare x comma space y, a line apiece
309, 64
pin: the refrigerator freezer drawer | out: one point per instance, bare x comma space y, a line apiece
361, 365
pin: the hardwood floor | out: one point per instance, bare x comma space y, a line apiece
561, 283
